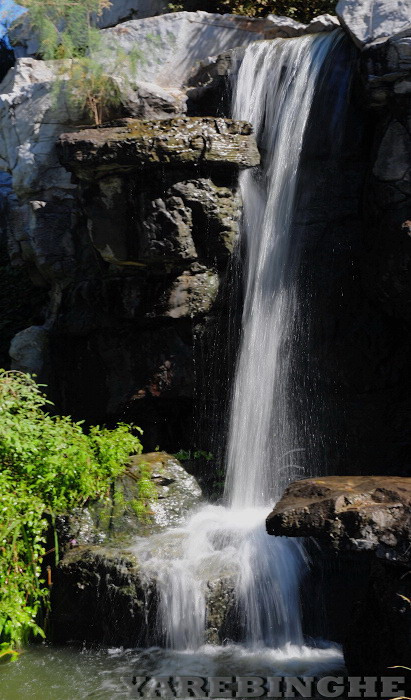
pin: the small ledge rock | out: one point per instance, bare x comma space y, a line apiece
348, 513
136, 144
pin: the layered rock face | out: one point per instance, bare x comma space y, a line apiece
160, 206
366, 523
133, 262
136, 262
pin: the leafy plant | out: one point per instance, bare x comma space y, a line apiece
48, 465
184, 455
65, 28
302, 10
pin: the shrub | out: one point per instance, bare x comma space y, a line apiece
67, 30
48, 465
302, 10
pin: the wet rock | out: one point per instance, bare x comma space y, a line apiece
353, 513
220, 604
118, 518
98, 597
142, 144
372, 20
102, 595
191, 294
102, 590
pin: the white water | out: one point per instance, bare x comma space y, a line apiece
275, 88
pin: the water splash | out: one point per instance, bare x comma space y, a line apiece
220, 544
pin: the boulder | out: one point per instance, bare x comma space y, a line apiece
99, 597
29, 350
366, 522
105, 588
322, 23
348, 513
374, 20
118, 519
170, 45
102, 595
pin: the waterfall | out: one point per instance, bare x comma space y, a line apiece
274, 90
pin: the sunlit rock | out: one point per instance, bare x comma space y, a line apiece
358, 512
373, 20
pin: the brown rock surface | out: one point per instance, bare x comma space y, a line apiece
358, 512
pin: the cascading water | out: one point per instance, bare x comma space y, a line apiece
274, 91
275, 88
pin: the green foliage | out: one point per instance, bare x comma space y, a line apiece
146, 492
302, 10
67, 31
48, 465
185, 455
66, 28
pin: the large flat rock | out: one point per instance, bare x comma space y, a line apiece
358, 512
144, 143
374, 20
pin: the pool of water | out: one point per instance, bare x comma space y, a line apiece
63, 673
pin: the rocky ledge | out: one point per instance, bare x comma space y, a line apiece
348, 513
138, 143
